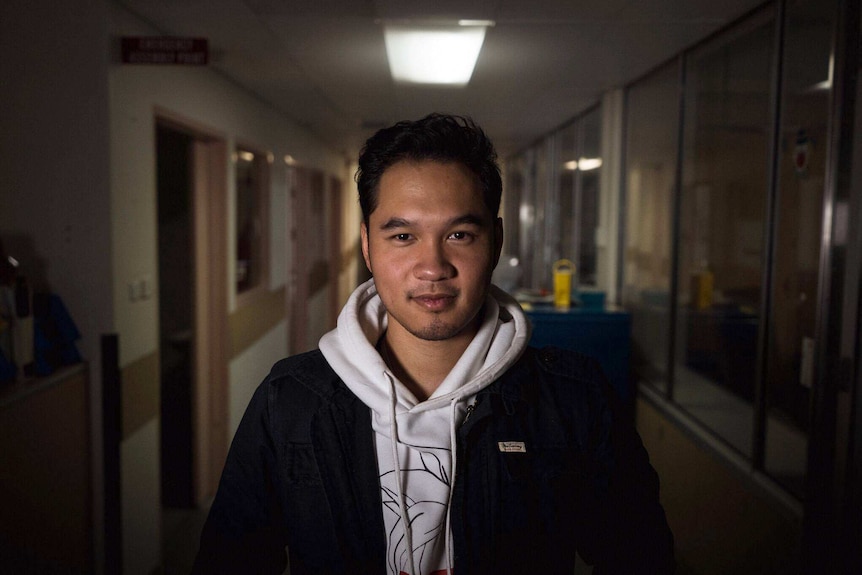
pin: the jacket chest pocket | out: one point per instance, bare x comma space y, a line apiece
300, 466
533, 464
533, 515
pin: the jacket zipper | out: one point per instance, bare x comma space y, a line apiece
470, 408
458, 447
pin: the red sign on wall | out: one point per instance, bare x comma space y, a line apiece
165, 50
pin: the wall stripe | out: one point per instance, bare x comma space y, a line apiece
255, 319
141, 393
349, 255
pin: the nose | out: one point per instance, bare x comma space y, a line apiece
433, 263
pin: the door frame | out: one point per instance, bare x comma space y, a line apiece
209, 174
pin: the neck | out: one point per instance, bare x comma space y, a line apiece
422, 365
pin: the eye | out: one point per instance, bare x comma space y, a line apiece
461, 236
401, 237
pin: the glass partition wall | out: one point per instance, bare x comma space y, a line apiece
553, 188
652, 151
722, 220
724, 181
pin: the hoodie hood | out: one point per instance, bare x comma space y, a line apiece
415, 439
351, 351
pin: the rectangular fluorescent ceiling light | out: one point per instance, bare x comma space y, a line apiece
434, 54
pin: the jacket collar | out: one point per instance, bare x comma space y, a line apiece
509, 387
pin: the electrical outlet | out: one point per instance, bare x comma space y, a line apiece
133, 291
146, 285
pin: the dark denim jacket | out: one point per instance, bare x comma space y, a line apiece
302, 473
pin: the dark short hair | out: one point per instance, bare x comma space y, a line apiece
437, 137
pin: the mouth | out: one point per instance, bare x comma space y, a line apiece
434, 301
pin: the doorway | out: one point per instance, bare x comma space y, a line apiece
191, 167
176, 319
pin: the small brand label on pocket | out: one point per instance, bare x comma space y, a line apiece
512, 446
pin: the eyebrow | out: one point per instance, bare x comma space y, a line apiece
468, 219
393, 223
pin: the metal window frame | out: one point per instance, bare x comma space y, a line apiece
833, 500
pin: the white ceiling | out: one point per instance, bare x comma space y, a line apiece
323, 62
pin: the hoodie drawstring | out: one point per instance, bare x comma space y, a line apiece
402, 504
454, 444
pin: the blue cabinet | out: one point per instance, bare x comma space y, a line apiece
604, 334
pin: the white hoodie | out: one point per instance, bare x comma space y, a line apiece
415, 447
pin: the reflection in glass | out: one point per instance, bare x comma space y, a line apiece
651, 155
722, 222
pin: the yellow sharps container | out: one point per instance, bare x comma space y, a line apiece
563, 272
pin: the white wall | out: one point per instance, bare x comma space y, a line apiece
204, 97
139, 481
249, 368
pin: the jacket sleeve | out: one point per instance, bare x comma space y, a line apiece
630, 533
244, 532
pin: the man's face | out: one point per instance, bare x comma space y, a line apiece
431, 245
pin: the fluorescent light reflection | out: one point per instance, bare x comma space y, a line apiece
433, 55
584, 164
823, 86
587, 164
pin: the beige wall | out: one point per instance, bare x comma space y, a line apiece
721, 523
351, 216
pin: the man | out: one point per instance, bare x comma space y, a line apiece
425, 436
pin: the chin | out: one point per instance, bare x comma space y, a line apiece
436, 332
439, 330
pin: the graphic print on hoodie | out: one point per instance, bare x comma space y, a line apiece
415, 440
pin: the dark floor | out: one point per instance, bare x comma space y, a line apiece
181, 529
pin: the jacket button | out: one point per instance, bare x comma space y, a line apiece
547, 355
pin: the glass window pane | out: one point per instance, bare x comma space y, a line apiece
651, 158
513, 190
589, 175
567, 158
722, 222
251, 174
802, 173
542, 261
520, 177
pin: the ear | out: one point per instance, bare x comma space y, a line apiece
498, 240
363, 237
